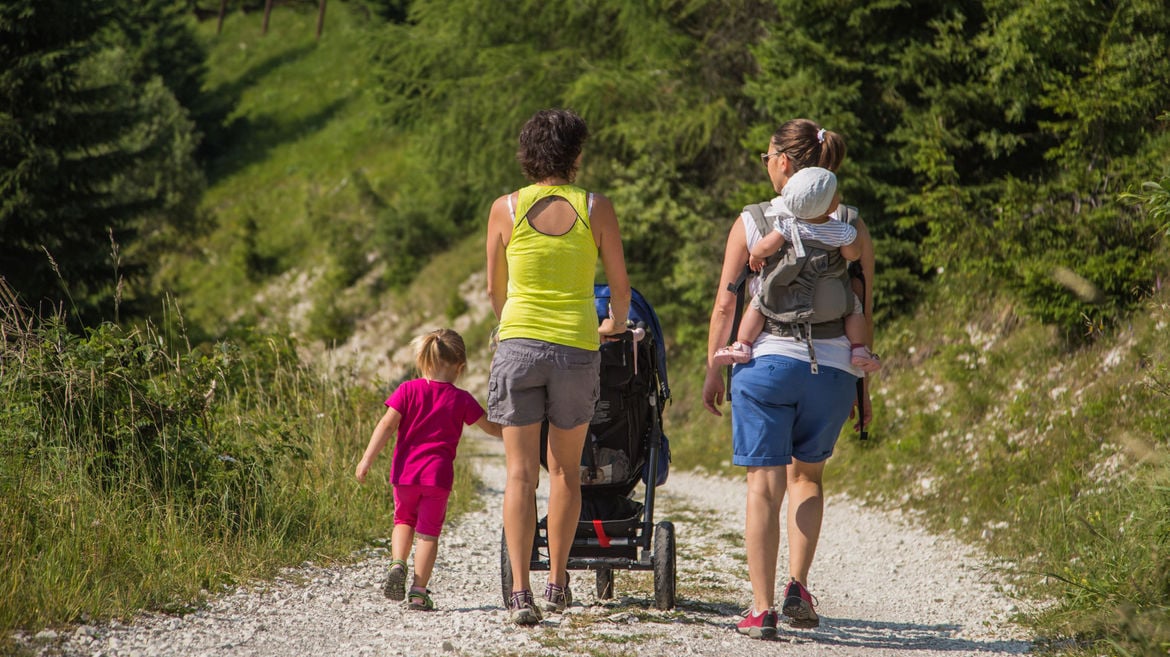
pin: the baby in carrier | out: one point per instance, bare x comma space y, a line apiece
799, 215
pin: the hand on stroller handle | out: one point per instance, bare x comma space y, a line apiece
629, 335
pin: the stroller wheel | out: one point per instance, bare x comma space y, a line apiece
664, 562
604, 583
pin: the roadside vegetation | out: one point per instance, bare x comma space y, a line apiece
1051, 461
140, 472
167, 425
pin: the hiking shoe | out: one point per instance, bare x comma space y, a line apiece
523, 608
556, 598
737, 352
798, 606
395, 586
420, 600
865, 360
762, 626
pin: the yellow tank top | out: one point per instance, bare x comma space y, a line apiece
550, 277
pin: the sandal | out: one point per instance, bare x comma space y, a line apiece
395, 586
737, 352
420, 600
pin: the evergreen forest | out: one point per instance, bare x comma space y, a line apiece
193, 203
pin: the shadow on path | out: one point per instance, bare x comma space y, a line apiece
907, 637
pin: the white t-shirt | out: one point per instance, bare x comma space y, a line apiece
832, 352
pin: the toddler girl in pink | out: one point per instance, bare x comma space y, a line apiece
429, 414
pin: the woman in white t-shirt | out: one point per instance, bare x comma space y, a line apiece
786, 415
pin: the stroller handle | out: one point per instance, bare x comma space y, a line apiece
634, 334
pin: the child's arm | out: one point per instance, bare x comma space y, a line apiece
764, 247
386, 428
851, 251
489, 427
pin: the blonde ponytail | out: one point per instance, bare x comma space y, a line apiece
438, 348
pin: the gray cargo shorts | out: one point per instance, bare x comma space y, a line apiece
533, 380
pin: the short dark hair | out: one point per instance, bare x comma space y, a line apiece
550, 142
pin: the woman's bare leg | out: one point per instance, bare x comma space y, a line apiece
806, 509
522, 456
765, 493
564, 496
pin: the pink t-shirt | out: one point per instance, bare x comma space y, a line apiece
433, 415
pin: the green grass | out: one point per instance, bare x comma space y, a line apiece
139, 473
1053, 461
299, 169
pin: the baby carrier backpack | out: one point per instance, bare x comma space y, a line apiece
805, 296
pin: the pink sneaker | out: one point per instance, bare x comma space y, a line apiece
864, 359
761, 626
737, 352
798, 606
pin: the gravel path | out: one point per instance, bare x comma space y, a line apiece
884, 587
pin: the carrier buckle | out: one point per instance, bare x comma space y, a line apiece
812, 352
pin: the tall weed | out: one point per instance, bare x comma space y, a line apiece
138, 472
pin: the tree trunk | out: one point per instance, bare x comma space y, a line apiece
267, 11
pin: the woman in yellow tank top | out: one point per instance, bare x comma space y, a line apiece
543, 242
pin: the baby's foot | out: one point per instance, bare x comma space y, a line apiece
736, 352
865, 360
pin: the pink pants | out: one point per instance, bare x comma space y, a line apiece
422, 507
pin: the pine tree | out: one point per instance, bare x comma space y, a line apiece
1010, 124
658, 83
159, 36
78, 145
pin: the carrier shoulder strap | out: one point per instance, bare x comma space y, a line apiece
739, 285
756, 210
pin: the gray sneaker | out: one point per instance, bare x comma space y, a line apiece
395, 586
556, 598
523, 608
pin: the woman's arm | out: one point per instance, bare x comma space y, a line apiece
735, 256
608, 238
866, 257
865, 242
498, 233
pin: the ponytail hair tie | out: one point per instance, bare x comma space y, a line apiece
821, 135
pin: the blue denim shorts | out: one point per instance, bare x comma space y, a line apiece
532, 381
780, 410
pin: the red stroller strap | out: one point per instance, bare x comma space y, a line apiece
599, 529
